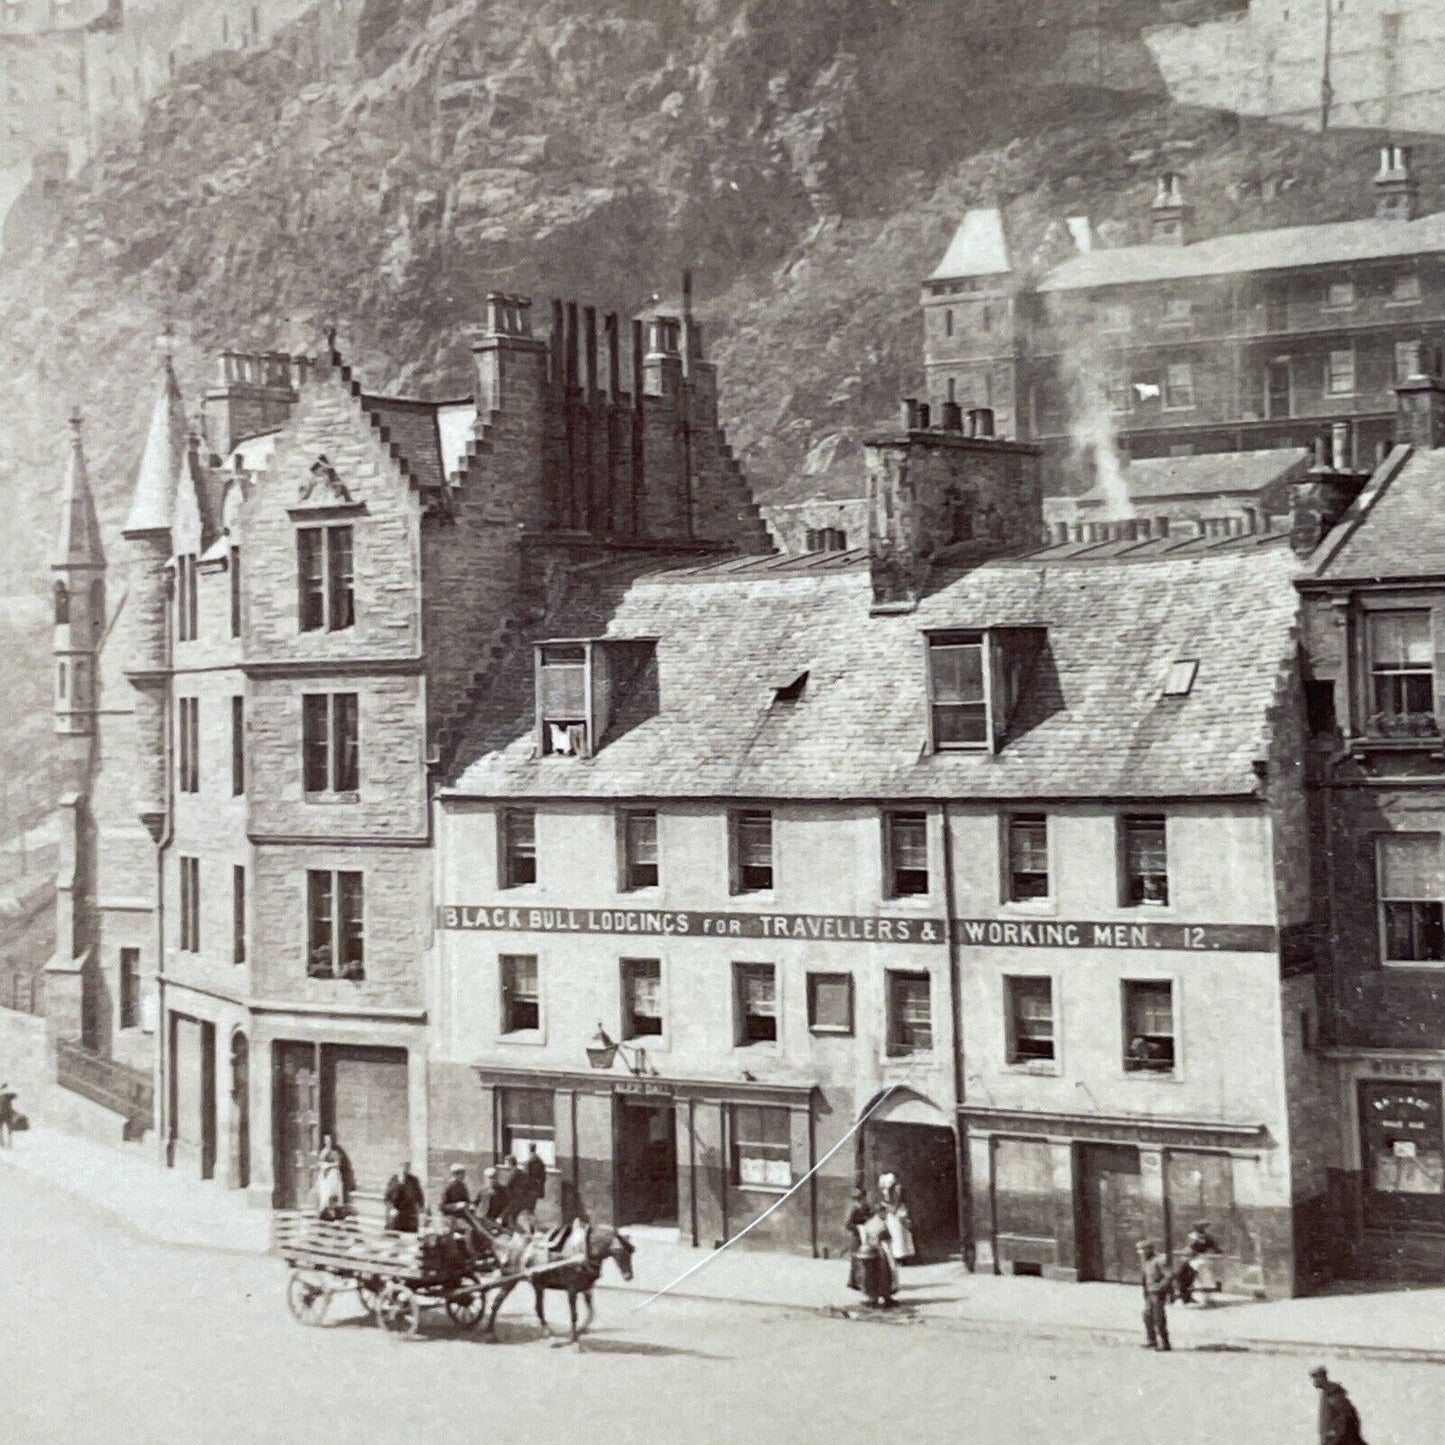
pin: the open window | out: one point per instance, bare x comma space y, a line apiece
975, 680
581, 685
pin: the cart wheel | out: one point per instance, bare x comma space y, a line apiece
467, 1305
307, 1299
399, 1310
369, 1292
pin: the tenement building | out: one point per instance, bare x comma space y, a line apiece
1374, 620
314, 588
946, 855
1187, 343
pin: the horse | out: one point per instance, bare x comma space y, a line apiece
534, 1257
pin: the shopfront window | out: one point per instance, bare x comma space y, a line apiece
1403, 1141
528, 1117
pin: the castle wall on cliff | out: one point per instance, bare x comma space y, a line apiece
1386, 62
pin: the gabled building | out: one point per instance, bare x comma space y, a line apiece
318, 583
945, 855
1374, 599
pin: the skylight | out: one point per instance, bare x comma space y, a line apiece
1180, 681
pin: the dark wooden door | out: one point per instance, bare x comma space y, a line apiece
297, 1116
208, 1100
241, 1103
365, 1108
646, 1163
1111, 1209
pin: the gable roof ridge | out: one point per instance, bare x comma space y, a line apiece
1359, 510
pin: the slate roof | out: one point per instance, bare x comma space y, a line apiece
1091, 719
978, 248
1396, 527
1232, 472
1288, 247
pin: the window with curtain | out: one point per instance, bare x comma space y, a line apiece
1411, 886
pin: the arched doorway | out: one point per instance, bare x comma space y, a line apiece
910, 1136
241, 1110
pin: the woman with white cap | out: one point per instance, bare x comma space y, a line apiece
900, 1221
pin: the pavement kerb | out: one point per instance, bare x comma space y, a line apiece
1034, 1329
1043, 1330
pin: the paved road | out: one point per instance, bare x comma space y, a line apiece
108, 1338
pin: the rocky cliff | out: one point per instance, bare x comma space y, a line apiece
807, 158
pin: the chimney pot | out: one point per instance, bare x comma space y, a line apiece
985, 421
1161, 526
952, 416
924, 418
909, 414
1061, 531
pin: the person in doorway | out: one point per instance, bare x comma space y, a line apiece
859, 1213
490, 1200
7, 1115
536, 1171
1196, 1273
1339, 1420
900, 1221
404, 1200
1157, 1283
330, 1181
522, 1197
514, 1191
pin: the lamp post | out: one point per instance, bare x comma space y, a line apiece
602, 1049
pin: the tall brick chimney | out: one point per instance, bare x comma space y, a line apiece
1322, 495
1420, 410
253, 393
1170, 218
944, 494
1395, 187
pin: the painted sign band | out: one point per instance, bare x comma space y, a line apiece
848, 928
818, 927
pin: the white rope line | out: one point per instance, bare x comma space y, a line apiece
781, 1200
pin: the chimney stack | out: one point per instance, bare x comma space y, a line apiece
1396, 189
1169, 216
1420, 412
952, 416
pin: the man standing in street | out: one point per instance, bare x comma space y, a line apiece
1339, 1420
404, 1201
1154, 1276
7, 1114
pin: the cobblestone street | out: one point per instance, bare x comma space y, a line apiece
114, 1339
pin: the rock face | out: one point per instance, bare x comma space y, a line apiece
808, 160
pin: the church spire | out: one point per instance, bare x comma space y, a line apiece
78, 597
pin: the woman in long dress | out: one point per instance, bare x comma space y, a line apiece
877, 1268
330, 1182
859, 1213
900, 1221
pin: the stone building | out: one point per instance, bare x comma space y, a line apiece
1374, 597
316, 585
937, 855
1179, 345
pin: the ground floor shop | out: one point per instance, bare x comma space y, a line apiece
1391, 1189
704, 1159
1070, 1197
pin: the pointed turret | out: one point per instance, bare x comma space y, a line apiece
147, 532
153, 507
79, 597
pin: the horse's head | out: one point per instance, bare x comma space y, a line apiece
620, 1249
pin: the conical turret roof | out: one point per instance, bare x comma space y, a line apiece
154, 506
79, 542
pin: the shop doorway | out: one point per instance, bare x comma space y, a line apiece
192, 1133
1111, 1212
241, 1107
646, 1162
909, 1136
357, 1095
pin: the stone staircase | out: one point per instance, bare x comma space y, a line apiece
99, 1098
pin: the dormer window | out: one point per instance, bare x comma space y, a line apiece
974, 681
580, 685
562, 698
958, 695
